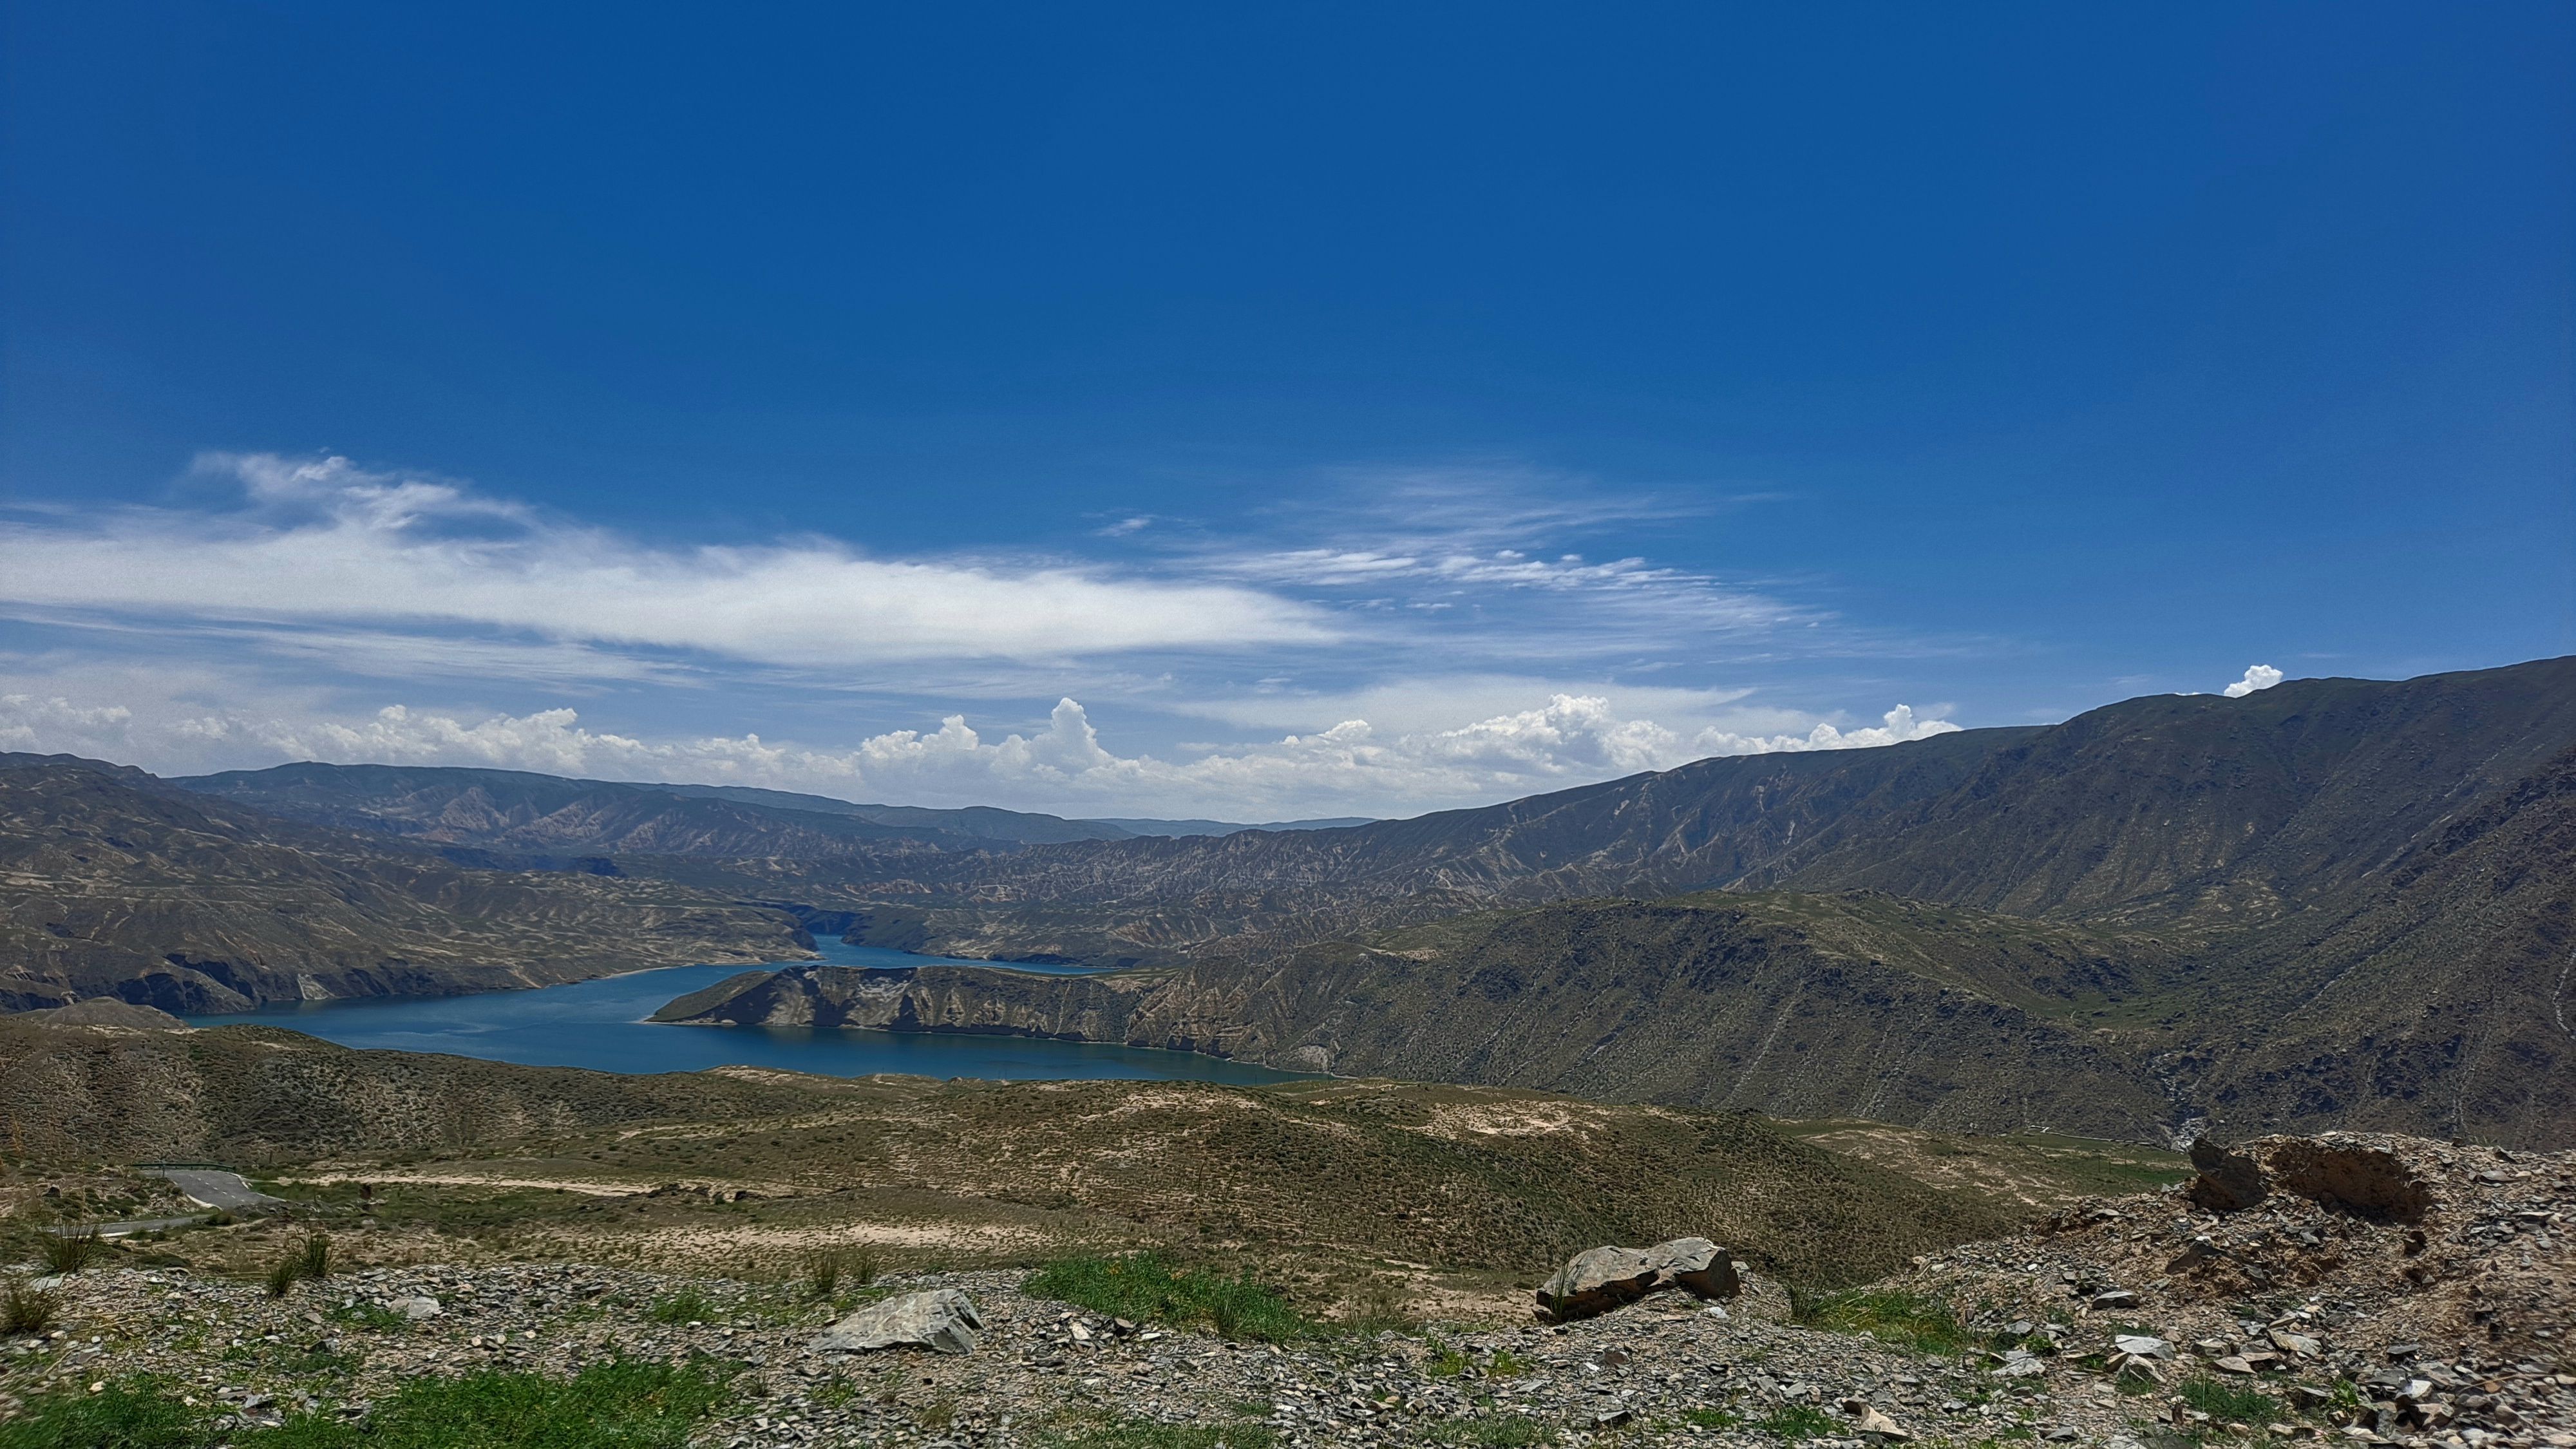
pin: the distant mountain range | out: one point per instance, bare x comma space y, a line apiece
114, 883
545, 815
2333, 901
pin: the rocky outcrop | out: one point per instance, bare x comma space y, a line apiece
2228, 1181
105, 1011
2334, 1171
920, 998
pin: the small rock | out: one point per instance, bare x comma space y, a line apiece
2140, 1345
416, 1308
2115, 1298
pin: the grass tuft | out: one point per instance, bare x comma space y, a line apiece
1147, 1286
26, 1308
829, 1271
67, 1253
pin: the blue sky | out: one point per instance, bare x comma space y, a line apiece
1352, 409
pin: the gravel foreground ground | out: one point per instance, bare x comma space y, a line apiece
2439, 1321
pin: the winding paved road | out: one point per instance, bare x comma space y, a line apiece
223, 1191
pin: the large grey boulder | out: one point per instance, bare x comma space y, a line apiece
1599, 1279
943, 1320
1696, 1266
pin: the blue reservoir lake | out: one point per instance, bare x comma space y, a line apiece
600, 1025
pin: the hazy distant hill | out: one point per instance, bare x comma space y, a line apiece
1227, 827
547, 815
119, 885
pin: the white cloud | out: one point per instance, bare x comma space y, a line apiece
55, 725
330, 543
1352, 767
1410, 641
2258, 676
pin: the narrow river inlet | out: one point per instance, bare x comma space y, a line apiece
600, 1025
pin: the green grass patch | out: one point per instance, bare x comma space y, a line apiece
1146, 1286
621, 1404
686, 1306
1800, 1421
1489, 1431
1908, 1320
2229, 1402
1125, 1433
129, 1414
373, 1317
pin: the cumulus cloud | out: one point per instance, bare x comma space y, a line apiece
2258, 676
1064, 766
55, 725
329, 542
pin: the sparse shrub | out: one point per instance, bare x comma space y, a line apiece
1382, 1309
1125, 1433
686, 1306
26, 1308
1492, 1431
2229, 1403
281, 1276
1800, 1421
1146, 1286
1926, 1325
70, 1252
